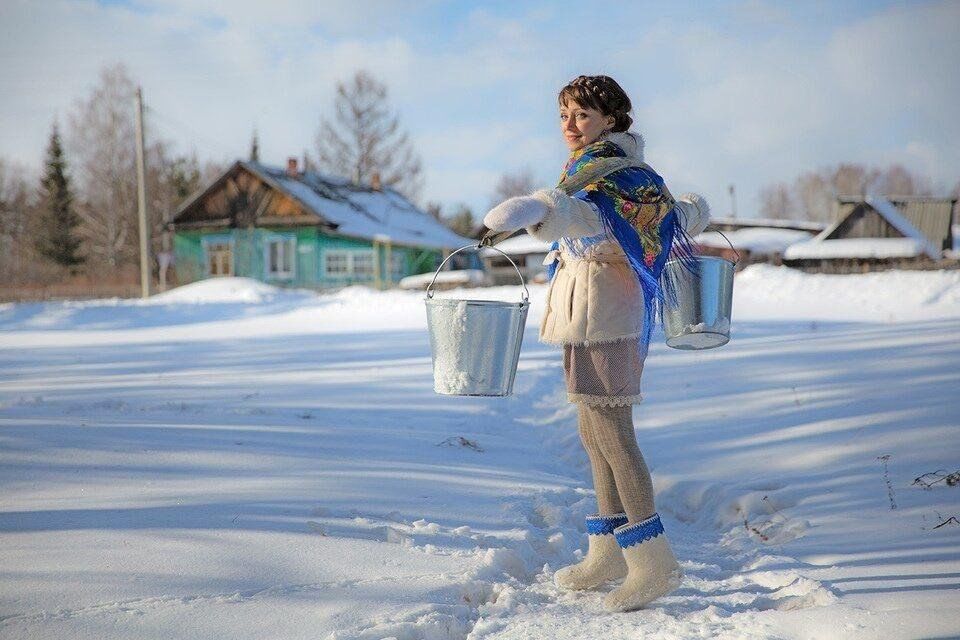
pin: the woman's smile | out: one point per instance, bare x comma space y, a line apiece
582, 125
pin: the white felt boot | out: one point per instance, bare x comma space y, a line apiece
654, 570
604, 559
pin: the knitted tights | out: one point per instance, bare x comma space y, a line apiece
620, 475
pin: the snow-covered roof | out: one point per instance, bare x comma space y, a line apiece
754, 239
892, 214
474, 277
363, 212
520, 245
775, 223
914, 243
856, 248
348, 209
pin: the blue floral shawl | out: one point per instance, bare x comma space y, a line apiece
637, 209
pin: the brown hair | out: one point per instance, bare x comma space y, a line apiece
601, 93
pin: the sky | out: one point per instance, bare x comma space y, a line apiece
744, 92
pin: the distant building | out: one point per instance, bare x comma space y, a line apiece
930, 216
526, 252
755, 239
289, 227
878, 233
735, 224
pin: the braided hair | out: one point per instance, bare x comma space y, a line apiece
601, 93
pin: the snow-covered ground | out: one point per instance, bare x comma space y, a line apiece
231, 460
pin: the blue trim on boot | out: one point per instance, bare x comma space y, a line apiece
638, 532
598, 525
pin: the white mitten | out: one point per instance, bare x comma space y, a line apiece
696, 213
566, 217
515, 213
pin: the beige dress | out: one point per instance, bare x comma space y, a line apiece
595, 311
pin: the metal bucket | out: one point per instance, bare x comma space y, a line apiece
475, 344
701, 317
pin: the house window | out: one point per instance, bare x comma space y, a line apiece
356, 263
219, 258
397, 264
337, 264
362, 264
280, 257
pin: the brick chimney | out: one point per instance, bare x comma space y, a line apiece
375, 181
292, 167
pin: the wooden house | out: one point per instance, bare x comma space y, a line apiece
526, 252
755, 239
295, 228
930, 216
878, 233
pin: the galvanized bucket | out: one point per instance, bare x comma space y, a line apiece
475, 344
700, 317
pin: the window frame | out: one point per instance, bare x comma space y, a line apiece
208, 243
367, 256
398, 264
352, 257
287, 246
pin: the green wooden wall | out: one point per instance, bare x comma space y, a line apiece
310, 251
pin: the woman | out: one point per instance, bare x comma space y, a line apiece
611, 240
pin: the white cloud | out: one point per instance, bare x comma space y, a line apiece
752, 104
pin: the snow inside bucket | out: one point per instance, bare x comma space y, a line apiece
700, 318
475, 344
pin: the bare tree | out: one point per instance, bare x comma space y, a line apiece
16, 232
776, 202
364, 138
510, 185
851, 179
101, 139
102, 144
435, 209
815, 192
170, 180
896, 180
461, 221
815, 196
211, 170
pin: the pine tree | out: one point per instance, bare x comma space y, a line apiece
57, 221
255, 147
183, 176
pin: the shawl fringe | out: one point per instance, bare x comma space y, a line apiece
675, 244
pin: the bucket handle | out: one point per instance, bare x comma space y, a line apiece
526, 293
731, 246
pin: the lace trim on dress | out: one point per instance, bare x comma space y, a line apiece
605, 401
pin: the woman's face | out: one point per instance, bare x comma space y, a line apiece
582, 125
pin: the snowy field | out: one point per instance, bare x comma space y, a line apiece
228, 460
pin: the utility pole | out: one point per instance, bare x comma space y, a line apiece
733, 199
142, 203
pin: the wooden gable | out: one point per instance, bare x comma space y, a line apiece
932, 217
242, 199
864, 221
